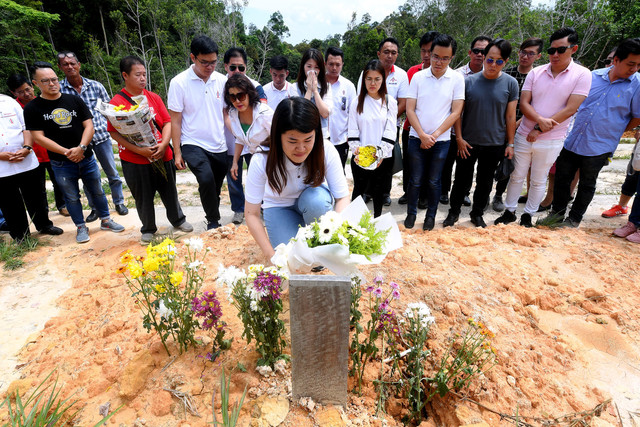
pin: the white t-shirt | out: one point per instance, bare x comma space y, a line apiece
343, 92
328, 100
274, 96
257, 189
201, 104
375, 126
434, 97
397, 83
12, 138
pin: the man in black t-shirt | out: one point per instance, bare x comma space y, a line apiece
62, 124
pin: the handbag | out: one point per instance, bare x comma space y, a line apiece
504, 169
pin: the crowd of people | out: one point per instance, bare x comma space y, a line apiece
555, 123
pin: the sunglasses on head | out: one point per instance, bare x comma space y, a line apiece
234, 67
240, 97
477, 51
560, 50
497, 61
66, 55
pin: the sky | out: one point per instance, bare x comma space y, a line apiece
307, 22
327, 18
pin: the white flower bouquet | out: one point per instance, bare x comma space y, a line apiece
340, 241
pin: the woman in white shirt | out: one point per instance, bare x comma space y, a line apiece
372, 123
249, 119
297, 180
312, 84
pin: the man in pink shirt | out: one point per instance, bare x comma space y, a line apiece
551, 94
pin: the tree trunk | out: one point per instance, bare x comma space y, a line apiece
104, 32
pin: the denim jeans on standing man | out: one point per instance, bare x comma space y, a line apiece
104, 154
426, 169
236, 193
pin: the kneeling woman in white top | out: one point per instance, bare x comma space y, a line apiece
372, 122
297, 180
249, 119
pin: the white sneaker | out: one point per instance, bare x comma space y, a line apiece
238, 217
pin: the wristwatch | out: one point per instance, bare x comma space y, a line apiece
537, 127
83, 147
28, 147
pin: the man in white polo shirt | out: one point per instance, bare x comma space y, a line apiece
279, 88
343, 93
435, 100
397, 87
196, 104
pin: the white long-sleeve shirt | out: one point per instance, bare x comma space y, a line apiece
376, 125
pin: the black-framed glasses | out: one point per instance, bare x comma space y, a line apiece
234, 67
49, 81
560, 50
497, 61
529, 54
240, 96
436, 58
477, 51
207, 63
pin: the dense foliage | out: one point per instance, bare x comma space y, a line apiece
159, 31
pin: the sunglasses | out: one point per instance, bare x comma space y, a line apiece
497, 61
234, 67
66, 55
608, 62
477, 51
240, 97
560, 50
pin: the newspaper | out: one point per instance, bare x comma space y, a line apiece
132, 125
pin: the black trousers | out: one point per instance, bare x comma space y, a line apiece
144, 181
487, 159
343, 151
20, 191
43, 168
371, 181
566, 166
210, 170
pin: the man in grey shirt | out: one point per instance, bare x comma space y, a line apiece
488, 122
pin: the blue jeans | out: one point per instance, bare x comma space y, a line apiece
2, 221
236, 194
68, 173
104, 154
283, 223
426, 167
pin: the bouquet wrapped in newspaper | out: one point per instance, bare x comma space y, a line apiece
134, 123
340, 242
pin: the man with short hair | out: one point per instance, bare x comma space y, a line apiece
435, 100
343, 93
278, 88
235, 62
612, 106
62, 124
21, 88
196, 104
476, 59
550, 96
530, 51
91, 91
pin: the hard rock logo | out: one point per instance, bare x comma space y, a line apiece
61, 116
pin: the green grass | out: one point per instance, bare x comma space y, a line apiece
11, 253
622, 157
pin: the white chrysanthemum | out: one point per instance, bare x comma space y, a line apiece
195, 243
343, 240
163, 311
228, 277
253, 305
195, 265
256, 268
421, 312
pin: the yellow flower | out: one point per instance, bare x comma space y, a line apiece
122, 269
160, 288
175, 278
151, 264
135, 270
126, 257
366, 156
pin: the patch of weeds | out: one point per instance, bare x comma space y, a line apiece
11, 253
551, 221
626, 156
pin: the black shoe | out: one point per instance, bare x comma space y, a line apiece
478, 221
387, 200
93, 215
444, 199
212, 225
409, 221
466, 201
525, 220
52, 231
506, 218
523, 199
569, 223
122, 209
366, 198
450, 220
544, 208
403, 200
497, 204
4, 228
422, 204
429, 223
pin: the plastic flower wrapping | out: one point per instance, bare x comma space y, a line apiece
368, 156
340, 242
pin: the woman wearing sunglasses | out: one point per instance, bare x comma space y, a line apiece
312, 84
297, 180
372, 123
485, 132
249, 119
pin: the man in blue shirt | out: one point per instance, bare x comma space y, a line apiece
612, 106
